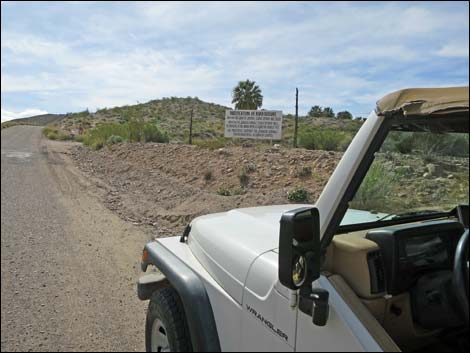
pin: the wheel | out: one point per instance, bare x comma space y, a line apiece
166, 329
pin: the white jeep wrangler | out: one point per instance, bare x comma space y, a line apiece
366, 268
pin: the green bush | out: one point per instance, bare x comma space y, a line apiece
79, 138
98, 136
135, 127
244, 179
50, 130
64, 136
151, 133
52, 136
208, 176
234, 192
53, 133
8, 124
428, 144
114, 139
298, 195
375, 188
249, 168
223, 192
327, 139
135, 130
305, 172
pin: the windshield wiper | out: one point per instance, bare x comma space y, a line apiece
394, 216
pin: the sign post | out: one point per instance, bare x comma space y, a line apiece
296, 116
191, 127
254, 124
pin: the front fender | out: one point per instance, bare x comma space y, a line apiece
193, 294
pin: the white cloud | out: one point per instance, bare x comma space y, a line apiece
454, 50
337, 54
9, 115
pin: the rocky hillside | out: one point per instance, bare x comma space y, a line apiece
40, 119
173, 116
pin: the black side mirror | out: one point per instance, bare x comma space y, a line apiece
300, 261
299, 247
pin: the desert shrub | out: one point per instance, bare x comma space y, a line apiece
8, 124
52, 136
114, 139
208, 176
375, 188
328, 140
54, 133
223, 192
98, 136
151, 133
249, 168
135, 128
238, 191
49, 130
132, 131
64, 136
305, 172
427, 144
298, 195
79, 138
244, 179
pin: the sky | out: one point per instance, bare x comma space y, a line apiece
69, 56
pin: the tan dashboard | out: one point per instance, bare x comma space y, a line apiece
348, 257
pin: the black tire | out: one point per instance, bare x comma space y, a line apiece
165, 305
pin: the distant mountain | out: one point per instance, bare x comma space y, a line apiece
40, 119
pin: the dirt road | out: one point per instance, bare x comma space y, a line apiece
68, 265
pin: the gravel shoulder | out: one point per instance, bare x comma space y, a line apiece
68, 264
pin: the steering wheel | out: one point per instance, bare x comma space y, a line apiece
460, 277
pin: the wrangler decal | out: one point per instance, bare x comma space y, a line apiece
267, 323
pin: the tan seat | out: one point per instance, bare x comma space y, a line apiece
363, 314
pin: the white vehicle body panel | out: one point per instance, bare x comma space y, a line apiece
227, 243
241, 329
343, 332
266, 311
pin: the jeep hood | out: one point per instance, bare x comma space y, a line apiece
227, 244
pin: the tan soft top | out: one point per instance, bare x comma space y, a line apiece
424, 101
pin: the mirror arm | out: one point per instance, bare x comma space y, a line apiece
314, 302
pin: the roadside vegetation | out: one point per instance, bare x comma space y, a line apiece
8, 124
416, 170
298, 195
326, 139
53, 133
134, 130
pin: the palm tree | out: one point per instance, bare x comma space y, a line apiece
247, 95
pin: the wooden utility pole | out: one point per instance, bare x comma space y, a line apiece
296, 116
191, 127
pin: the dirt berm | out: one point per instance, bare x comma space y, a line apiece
164, 186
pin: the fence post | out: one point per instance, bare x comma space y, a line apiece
296, 116
191, 127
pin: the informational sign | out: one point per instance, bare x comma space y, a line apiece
254, 124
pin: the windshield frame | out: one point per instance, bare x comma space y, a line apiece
452, 122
